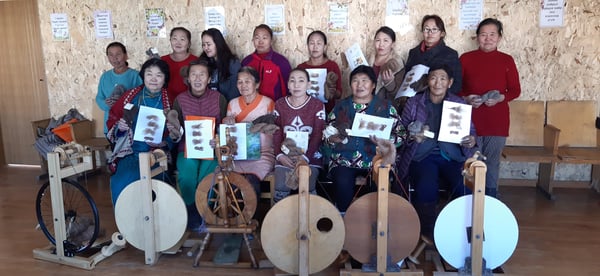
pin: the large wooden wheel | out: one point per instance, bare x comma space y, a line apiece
361, 227
235, 205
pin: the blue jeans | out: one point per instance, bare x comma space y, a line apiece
426, 175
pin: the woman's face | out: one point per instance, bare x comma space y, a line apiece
383, 44
488, 38
180, 42
208, 46
116, 57
246, 84
439, 82
198, 79
362, 87
298, 83
262, 41
154, 79
432, 33
316, 46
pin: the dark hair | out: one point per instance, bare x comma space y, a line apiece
251, 71
224, 54
185, 70
323, 36
161, 64
388, 31
265, 27
187, 32
301, 70
438, 22
443, 67
120, 45
490, 21
364, 69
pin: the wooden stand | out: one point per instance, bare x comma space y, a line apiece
382, 175
81, 162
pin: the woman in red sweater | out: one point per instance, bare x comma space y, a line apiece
490, 81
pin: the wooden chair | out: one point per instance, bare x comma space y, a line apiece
83, 134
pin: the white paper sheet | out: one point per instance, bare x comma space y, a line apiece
198, 134
368, 125
317, 78
248, 144
414, 75
355, 56
456, 122
300, 137
150, 125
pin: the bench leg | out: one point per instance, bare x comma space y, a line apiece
545, 179
596, 177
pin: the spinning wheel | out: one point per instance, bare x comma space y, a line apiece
235, 205
82, 223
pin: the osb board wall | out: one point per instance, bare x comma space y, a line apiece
554, 64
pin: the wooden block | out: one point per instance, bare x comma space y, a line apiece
576, 120
229, 251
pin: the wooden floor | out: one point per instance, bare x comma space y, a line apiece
560, 237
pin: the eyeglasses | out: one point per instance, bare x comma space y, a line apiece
431, 31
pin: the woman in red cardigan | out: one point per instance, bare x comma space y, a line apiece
490, 81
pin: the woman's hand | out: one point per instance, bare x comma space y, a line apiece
494, 101
286, 161
230, 120
474, 100
468, 141
387, 76
122, 125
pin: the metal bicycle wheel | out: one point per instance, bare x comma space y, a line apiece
82, 222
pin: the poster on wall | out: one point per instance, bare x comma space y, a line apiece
552, 13
214, 17
338, 18
155, 19
396, 16
60, 26
275, 18
103, 24
471, 13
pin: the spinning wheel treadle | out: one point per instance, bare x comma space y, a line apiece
240, 199
361, 227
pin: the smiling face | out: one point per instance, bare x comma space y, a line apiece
432, 34
362, 88
198, 79
154, 79
117, 58
246, 84
298, 83
383, 44
180, 42
439, 82
316, 46
209, 47
262, 40
488, 38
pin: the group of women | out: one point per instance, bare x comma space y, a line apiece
219, 85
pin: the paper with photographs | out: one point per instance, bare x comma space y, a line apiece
456, 122
150, 125
355, 56
368, 125
317, 78
199, 130
413, 76
248, 144
300, 137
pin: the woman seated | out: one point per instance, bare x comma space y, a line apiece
423, 161
297, 114
352, 156
122, 123
245, 109
199, 100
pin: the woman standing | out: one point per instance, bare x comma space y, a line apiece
122, 122
353, 158
490, 81
180, 38
199, 100
298, 112
387, 65
425, 162
432, 51
224, 63
244, 109
273, 68
317, 50
120, 77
